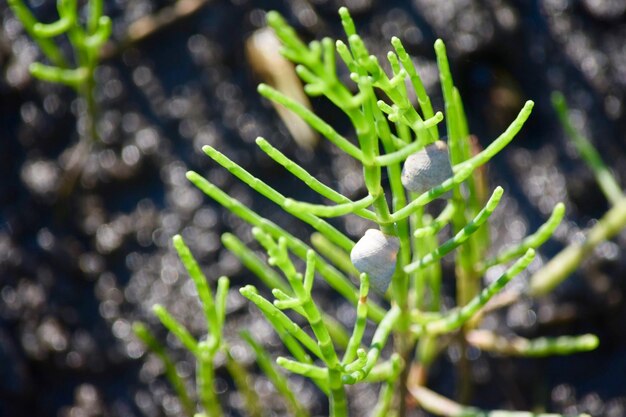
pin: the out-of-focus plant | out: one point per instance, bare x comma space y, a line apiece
400, 256
611, 223
86, 40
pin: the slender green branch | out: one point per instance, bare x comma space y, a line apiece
70, 77
402, 154
48, 47
250, 260
458, 317
205, 378
204, 291
329, 211
176, 328
308, 179
277, 198
566, 262
533, 241
435, 226
387, 390
280, 319
378, 342
304, 369
501, 141
361, 322
416, 81
221, 293
544, 346
278, 380
148, 339
312, 119
607, 182
460, 237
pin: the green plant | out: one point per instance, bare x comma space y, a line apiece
78, 72
415, 324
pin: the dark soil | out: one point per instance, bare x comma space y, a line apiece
76, 270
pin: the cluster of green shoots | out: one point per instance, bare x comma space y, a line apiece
411, 318
387, 132
78, 72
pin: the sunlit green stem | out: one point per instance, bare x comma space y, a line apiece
309, 180
205, 377
262, 188
533, 241
378, 342
461, 236
361, 322
280, 319
204, 291
458, 317
313, 120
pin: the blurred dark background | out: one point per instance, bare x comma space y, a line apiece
76, 270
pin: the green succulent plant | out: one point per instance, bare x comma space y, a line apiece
403, 250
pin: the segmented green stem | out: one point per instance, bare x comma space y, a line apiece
48, 47
277, 198
280, 320
378, 342
204, 291
435, 226
309, 180
533, 241
205, 377
461, 236
458, 317
540, 347
360, 323
416, 81
312, 119
250, 260
387, 390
